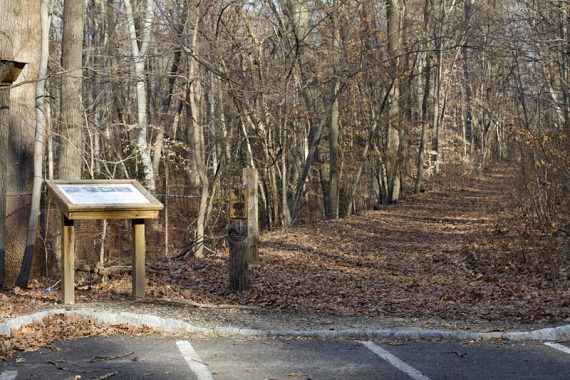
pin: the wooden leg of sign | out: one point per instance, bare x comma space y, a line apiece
68, 261
139, 248
238, 242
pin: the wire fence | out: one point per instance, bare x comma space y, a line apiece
172, 234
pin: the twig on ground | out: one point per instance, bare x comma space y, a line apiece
97, 358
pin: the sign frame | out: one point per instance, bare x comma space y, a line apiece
136, 212
75, 211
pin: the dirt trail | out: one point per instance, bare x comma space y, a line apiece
413, 259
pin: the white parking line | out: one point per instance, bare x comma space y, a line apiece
399, 364
8, 375
558, 347
191, 356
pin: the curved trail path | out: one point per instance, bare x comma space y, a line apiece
426, 257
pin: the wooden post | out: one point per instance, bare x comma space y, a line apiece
139, 248
250, 180
68, 261
237, 239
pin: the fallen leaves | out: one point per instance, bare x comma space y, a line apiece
420, 258
17, 301
434, 255
59, 327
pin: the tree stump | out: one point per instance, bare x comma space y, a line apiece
239, 250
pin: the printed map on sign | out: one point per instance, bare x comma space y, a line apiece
95, 194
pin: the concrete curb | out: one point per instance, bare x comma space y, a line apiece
169, 325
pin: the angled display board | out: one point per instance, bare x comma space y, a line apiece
103, 194
103, 199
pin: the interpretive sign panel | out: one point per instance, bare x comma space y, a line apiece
103, 194
103, 199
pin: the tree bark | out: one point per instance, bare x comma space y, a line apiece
238, 263
372, 132
468, 5
394, 117
139, 56
19, 41
425, 103
196, 107
423, 136
332, 207
167, 100
40, 138
70, 162
310, 157
438, 47
4, 132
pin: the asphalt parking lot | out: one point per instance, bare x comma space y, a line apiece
167, 357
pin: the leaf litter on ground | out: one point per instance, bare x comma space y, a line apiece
59, 327
440, 254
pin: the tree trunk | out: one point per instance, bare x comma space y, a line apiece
425, 103
394, 116
310, 157
4, 144
70, 162
423, 137
438, 46
372, 132
139, 56
238, 261
285, 213
467, 79
19, 41
196, 106
334, 181
41, 126
166, 102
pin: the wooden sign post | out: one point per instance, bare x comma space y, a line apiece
250, 180
103, 199
238, 238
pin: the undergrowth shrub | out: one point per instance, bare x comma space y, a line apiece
541, 204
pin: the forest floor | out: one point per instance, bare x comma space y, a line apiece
453, 253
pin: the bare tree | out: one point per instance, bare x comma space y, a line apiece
19, 41
40, 139
393, 150
139, 54
71, 104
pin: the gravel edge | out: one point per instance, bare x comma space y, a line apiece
169, 325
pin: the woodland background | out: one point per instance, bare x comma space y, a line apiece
341, 105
